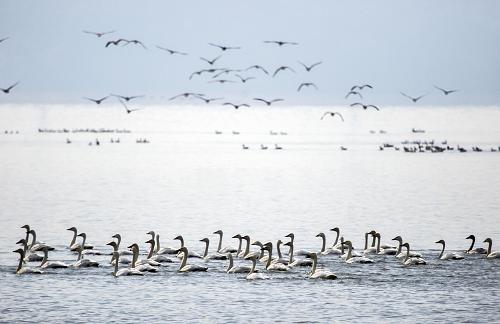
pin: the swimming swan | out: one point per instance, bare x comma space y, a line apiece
20, 269
191, 254
184, 267
118, 238
320, 273
37, 246
489, 254
32, 256
227, 249
412, 261
449, 255
236, 269
473, 250
355, 259
51, 264
400, 254
388, 249
123, 272
156, 258
84, 263
371, 249
164, 250
273, 266
88, 251
215, 256
252, 275
73, 246
141, 265
299, 252
115, 249
324, 250
297, 262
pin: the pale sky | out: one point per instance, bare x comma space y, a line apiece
396, 46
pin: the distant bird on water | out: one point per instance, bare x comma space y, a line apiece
268, 102
172, 52
332, 113
310, 67
212, 61
7, 90
224, 48
281, 43
127, 109
234, 105
127, 98
257, 67
307, 84
354, 93
283, 68
412, 98
98, 34
97, 101
446, 92
361, 87
364, 106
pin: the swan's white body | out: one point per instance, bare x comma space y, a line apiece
20, 269
123, 272
74, 246
274, 266
412, 260
84, 263
252, 275
297, 262
350, 258
141, 265
473, 250
320, 273
489, 254
214, 256
448, 255
236, 269
51, 264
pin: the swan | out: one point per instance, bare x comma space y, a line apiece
238, 236
165, 250
141, 265
336, 245
412, 260
448, 256
37, 246
32, 256
115, 249
297, 262
184, 267
489, 254
262, 258
155, 257
247, 248
273, 266
352, 259
118, 238
320, 273
73, 246
190, 253
388, 250
400, 254
219, 247
345, 254
236, 269
123, 272
324, 250
280, 258
88, 251
473, 250
252, 275
20, 269
84, 263
215, 256
372, 249
299, 252
51, 264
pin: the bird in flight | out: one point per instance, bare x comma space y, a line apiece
223, 71
221, 81
446, 92
7, 90
244, 80
364, 106
257, 67
332, 113
211, 62
307, 84
97, 101
309, 68
281, 43
207, 100
224, 48
98, 34
170, 51
127, 98
268, 102
116, 42
135, 42
127, 109
361, 87
283, 68
234, 105
187, 94
412, 98
353, 93
3, 39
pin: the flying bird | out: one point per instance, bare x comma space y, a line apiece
7, 90
127, 98
221, 81
446, 92
224, 48
135, 42
353, 93
364, 106
268, 102
361, 87
223, 71
257, 67
234, 105
413, 99
283, 68
3, 39
170, 51
332, 113
244, 80
307, 84
281, 43
211, 62
207, 100
127, 109
98, 34
187, 94
97, 101
309, 68
115, 42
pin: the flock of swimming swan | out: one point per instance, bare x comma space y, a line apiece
158, 256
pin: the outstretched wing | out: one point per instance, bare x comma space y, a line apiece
373, 106
357, 104
407, 96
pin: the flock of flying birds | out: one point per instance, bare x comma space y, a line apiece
222, 75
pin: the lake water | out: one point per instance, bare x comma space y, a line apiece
188, 180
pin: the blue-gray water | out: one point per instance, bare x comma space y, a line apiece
189, 181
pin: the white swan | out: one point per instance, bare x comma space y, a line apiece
320, 273
400, 254
252, 275
84, 263
227, 249
73, 246
489, 254
23, 270
355, 259
273, 266
37, 246
324, 250
247, 248
123, 260
336, 245
118, 238
184, 267
473, 250
280, 257
344, 254
388, 249
32, 256
123, 272
141, 265
164, 250
296, 262
231, 268
215, 256
372, 249
412, 260
299, 252
88, 251
51, 264
155, 257
449, 255
190, 253
238, 237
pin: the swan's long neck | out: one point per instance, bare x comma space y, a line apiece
20, 265
378, 243
336, 238
290, 254
442, 252
119, 240
25, 246
254, 263
489, 247
220, 243
278, 249
73, 240
373, 240
366, 241
33, 233
27, 236
247, 248
472, 244
206, 249
151, 249
116, 265
349, 252
400, 245
315, 263
270, 250
45, 257
157, 243
323, 245
84, 240
342, 245
230, 265
407, 253
184, 259
135, 256
79, 255
239, 246
182, 241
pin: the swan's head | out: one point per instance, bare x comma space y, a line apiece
83, 235
183, 250
117, 236
246, 237
252, 257
151, 241
21, 241
133, 247
20, 251
113, 244
31, 231
335, 229
398, 238
348, 243
372, 232
152, 233
279, 242
178, 237
237, 236
288, 244
377, 235
218, 232
73, 229
320, 235
406, 245
313, 255
258, 243
206, 240
291, 235
470, 237
26, 227
488, 240
440, 242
